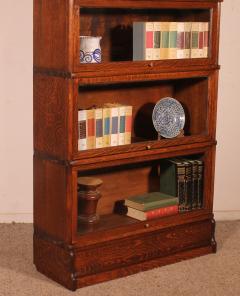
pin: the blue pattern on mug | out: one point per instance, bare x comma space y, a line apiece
90, 57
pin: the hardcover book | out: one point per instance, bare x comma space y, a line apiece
82, 130
180, 40
172, 180
206, 39
91, 129
99, 127
200, 183
194, 164
164, 50
195, 40
156, 40
201, 40
188, 181
143, 41
152, 200
172, 52
106, 127
187, 40
122, 123
128, 124
152, 214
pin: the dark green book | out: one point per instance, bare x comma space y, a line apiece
194, 192
200, 184
173, 181
188, 184
152, 200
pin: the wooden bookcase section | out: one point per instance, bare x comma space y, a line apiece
64, 250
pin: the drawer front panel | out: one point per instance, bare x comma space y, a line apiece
136, 249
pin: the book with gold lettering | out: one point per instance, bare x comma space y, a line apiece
82, 129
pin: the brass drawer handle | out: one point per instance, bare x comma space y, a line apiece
148, 147
146, 225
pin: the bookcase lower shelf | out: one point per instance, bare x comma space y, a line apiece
75, 266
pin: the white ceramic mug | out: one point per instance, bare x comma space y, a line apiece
90, 50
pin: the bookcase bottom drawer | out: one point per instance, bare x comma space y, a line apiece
101, 262
148, 246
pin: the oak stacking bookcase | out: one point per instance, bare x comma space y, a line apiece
77, 255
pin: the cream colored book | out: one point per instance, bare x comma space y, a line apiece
187, 40
142, 41
156, 40
195, 40
201, 40
164, 48
82, 130
106, 126
90, 128
172, 52
206, 40
180, 40
99, 127
114, 122
128, 124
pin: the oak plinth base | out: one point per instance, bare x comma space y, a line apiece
75, 267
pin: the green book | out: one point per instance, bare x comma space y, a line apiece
194, 190
150, 201
200, 183
173, 181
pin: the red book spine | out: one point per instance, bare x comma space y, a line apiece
149, 39
206, 37
128, 126
91, 127
200, 40
162, 212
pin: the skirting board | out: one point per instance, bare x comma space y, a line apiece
227, 215
28, 217
16, 217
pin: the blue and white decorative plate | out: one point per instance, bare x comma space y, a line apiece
168, 117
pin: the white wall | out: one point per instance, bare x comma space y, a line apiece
16, 110
16, 113
227, 193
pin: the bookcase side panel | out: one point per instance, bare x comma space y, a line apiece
212, 103
52, 200
52, 116
53, 31
209, 175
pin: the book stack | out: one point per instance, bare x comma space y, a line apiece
103, 127
183, 178
151, 205
170, 40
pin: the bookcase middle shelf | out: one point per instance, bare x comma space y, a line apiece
139, 99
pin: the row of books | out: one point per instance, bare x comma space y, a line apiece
181, 185
103, 127
151, 205
183, 178
170, 40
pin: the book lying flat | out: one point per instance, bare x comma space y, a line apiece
151, 200
152, 214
